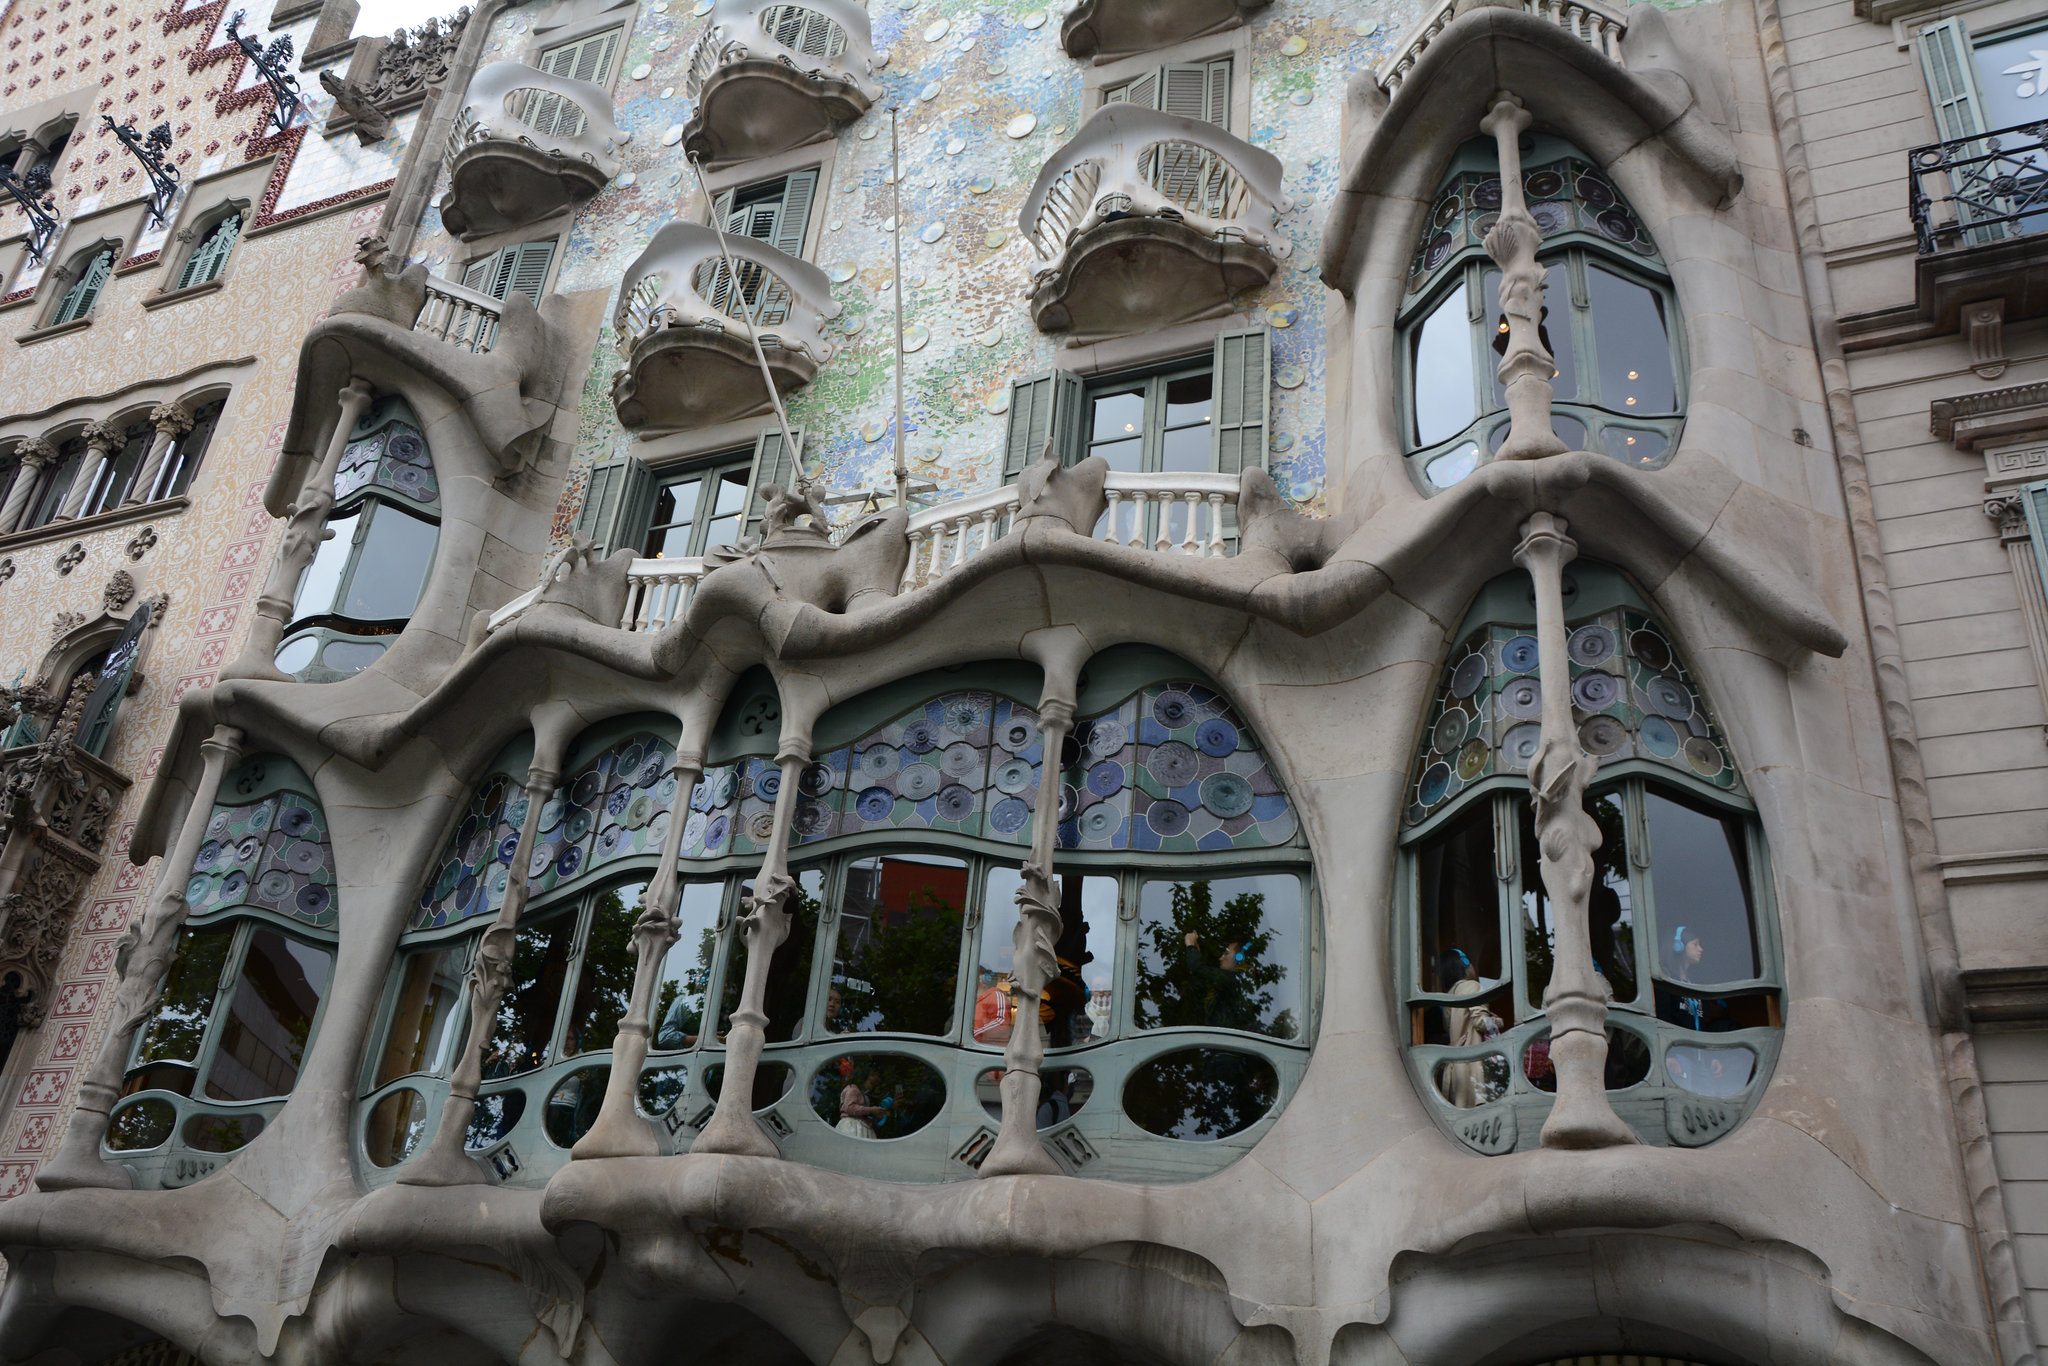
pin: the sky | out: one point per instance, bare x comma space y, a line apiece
380, 18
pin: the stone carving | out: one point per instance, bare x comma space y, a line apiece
6, 569
1527, 365
64, 623
119, 592
577, 578
141, 543
406, 64
172, 417
371, 123
71, 558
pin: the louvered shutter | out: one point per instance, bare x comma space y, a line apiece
477, 274
795, 218
1140, 90
1185, 91
587, 59
205, 262
529, 269
773, 464
1043, 407
1243, 387
96, 723
85, 291
616, 505
1945, 55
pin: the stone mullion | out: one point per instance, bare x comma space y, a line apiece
171, 421
1527, 366
103, 443
35, 455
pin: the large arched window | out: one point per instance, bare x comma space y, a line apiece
1610, 319
366, 578
222, 1049
1179, 1023
1680, 912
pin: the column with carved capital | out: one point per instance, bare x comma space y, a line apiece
304, 529
171, 420
144, 956
619, 1130
103, 442
1566, 836
1527, 367
31, 152
2009, 510
35, 455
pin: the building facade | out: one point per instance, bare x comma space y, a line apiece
1241, 683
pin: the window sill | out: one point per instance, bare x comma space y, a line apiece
99, 521
37, 334
165, 298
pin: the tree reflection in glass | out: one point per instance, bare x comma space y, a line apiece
896, 965
526, 1013
789, 968
1219, 954
178, 1027
678, 1013
604, 985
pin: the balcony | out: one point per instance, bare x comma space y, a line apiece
682, 329
461, 317
1146, 219
1597, 26
1107, 29
768, 77
526, 144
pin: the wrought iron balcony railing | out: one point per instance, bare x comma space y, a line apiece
558, 114
1982, 189
1593, 24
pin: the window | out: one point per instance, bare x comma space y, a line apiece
110, 478
523, 267
210, 257
777, 212
114, 670
181, 461
89, 272
699, 507
586, 59
1609, 320
1988, 85
681, 511
1679, 910
804, 31
366, 578
1195, 90
48, 499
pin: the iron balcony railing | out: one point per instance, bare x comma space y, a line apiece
820, 38
1980, 189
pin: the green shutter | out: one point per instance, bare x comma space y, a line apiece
477, 274
1244, 386
772, 465
206, 260
1945, 56
617, 503
529, 269
1043, 407
85, 291
797, 193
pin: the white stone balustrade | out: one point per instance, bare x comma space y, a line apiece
658, 591
556, 114
459, 316
1595, 25
680, 280
821, 39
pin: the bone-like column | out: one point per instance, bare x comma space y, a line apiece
764, 925
1566, 836
171, 420
446, 1162
143, 958
1526, 370
620, 1131
35, 455
102, 442
305, 528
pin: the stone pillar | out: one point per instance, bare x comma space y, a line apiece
143, 958
103, 442
171, 421
1526, 370
619, 1130
305, 528
31, 152
1566, 836
36, 455
446, 1162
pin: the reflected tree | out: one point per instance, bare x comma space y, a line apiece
1206, 966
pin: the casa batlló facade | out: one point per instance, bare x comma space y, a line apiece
1231, 684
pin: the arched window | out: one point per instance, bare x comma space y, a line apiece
181, 461
89, 272
223, 1047
48, 497
1610, 319
210, 256
1177, 1027
366, 578
1680, 911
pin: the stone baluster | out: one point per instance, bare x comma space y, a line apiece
1139, 501
1527, 366
1116, 499
172, 420
938, 564
35, 455
305, 528
1566, 836
144, 956
988, 529
1215, 547
960, 525
620, 1131
636, 590
102, 444
916, 539
446, 1162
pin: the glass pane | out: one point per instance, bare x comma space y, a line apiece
145, 1124
1452, 466
1222, 953
604, 984
1075, 1009
493, 1118
896, 965
1610, 909
1634, 446
772, 1081
1201, 1094
429, 990
1188, 400
221, 1133
526, 1014
1117, 416
1441, 359
728, 511
1700, 874
686, 970
573, 1105
322, 579
1126, 456
1555, 330
1474, 1081
1633, 343
1710, 1071
1185, 450
1628, 1060
660, 1088
1569, 430
1457, 931
176, 1030
397, 551
789, 969
269, 1018
1062, 1092
396, 1127
877, 1095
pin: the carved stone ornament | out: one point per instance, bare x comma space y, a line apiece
71, 558
372, 252
64, 623
102, 436
6, 569
405, 65
1984, 325
35, 452
119, 592
159, 606
171, 417
141, 543
371, 123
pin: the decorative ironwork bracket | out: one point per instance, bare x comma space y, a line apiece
153, 151
32, 193
273, 64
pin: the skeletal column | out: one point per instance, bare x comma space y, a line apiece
1528, 367
103, 441
1566, 836
171, 421
35, 455
144, 956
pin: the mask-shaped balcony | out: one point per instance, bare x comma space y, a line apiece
525, 144
768, 77
1107, 29
1146, 219
682, 328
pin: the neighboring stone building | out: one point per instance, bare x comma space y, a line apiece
1223, 683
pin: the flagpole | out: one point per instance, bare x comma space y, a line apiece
896, 204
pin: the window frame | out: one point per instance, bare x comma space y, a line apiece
706, 469
203, 234
1235, 45
72, 304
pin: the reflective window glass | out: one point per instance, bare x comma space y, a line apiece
1117, 429
526, 1013
896, 963
686, 969
1458, 906
1221, 953
178, 1026
1634, 345
1441, 362
1610, 908
789, 967
1555, 331
429, 990
1700, 877
322, 579
397, 551
1076, 1008
604, 981
270, 1018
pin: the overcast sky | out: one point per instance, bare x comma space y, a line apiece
382, 17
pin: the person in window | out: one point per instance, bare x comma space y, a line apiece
855, 1109
1612, 956
991, 1010
1064, 1009
1687, 949
679, 1027
1465, 1083
1218, 985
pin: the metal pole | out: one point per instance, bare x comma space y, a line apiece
896, 207
796, 455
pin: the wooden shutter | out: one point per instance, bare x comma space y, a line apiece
773, 464
797, 193
96, 723
85, 290
586, 59
1043, 407
1184, 90
1951, 83
478, 273
1243, 387
529, 269
617, 503
1141, 90
205, 262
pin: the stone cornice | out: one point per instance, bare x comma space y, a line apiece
1972, 420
